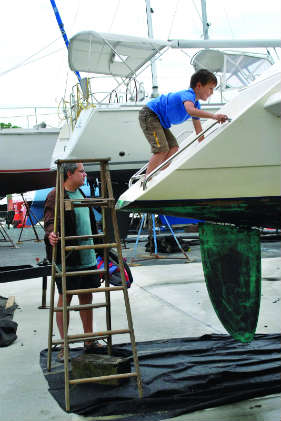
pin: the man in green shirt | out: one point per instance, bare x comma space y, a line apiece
80, 221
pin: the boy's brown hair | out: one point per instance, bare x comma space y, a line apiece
203, 76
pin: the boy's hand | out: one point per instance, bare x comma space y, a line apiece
221, 118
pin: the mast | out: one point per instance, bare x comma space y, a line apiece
204, 20
60, 24
155, 92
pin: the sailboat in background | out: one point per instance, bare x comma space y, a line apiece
25, 159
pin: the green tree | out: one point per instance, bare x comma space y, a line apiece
8, 126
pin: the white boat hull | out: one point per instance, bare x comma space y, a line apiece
25, 159
228, 176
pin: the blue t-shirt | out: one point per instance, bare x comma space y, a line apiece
170, 109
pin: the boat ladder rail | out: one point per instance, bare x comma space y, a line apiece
140, 173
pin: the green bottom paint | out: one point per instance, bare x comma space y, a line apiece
231, 261
253, 212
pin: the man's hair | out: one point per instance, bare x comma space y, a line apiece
203, 76
69, 166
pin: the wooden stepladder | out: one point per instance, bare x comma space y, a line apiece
105, 202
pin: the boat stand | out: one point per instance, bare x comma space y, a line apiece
31, 215
6, 237
152, 229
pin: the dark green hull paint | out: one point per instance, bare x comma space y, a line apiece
252, 212
231, 261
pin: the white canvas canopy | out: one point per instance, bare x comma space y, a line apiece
111, 54
237, 68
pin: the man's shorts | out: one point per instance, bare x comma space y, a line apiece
80, 282
160, 139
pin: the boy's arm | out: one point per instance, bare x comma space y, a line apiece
198, 128
195, 112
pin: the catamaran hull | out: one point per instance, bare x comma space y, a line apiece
232, 176
254, 211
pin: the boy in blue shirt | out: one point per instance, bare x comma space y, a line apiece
157, 116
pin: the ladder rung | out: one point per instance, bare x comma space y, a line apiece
105, 202
102, 378
98, 334
86, 291
71, 341
89, 200
94, 246
91, 335
84, 160
81, 307
82, 237
75, 203
82, 273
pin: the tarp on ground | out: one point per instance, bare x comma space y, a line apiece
179, 376
8, 327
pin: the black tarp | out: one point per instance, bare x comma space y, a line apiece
8, 327
179, 376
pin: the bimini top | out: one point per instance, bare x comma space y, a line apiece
238, 68
111, 54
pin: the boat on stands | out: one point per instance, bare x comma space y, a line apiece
25, 159
232, 176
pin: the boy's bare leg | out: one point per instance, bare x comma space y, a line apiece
160, 157
156, 160
171, 152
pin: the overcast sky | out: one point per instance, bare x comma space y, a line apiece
29, 34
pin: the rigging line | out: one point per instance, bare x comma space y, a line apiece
173, 18
28, 58
30, 62
75, 16
228, 22
199, 14
114, 15
66, 81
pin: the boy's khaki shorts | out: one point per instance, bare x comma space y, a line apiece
160, 139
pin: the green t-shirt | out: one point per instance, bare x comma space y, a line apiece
83, 227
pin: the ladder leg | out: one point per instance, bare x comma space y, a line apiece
52, 289
106, 261
125, 291
64, 299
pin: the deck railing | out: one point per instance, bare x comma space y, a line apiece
139, 174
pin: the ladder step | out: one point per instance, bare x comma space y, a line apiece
82, 273
72, 341
82, 237
84, 160
94, 246
81, 307
98, 334
91, 335
75, 203
86, 291
101, 378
